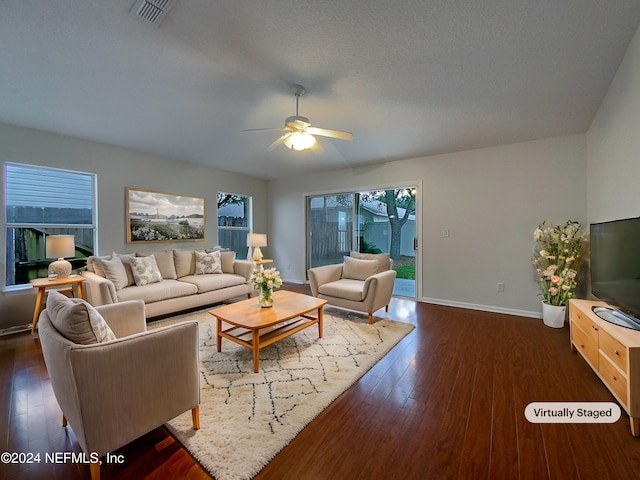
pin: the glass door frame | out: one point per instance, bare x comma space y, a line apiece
352, 191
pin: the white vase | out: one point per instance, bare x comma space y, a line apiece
553, 315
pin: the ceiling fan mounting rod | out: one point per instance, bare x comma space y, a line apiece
298, 90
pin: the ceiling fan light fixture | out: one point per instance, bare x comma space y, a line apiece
300, 134
301, 141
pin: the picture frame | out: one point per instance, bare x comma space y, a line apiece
163, 217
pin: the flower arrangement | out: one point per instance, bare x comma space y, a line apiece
556, 259
265, 281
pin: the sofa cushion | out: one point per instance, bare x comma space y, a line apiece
77, 320
207, 263
356, 269
384, 259
185, 262
94, 266
113, 270
227, 259
126, 262
164, 260
346, 288
207, 283
157, 291
145, 270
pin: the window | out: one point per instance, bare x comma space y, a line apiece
234, 221
43, 201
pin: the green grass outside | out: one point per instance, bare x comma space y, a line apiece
405, 268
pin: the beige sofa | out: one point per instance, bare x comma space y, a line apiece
180, 280
364, 282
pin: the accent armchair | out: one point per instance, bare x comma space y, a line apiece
363, 284
134, 381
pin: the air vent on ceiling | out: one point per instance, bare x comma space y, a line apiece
151, 11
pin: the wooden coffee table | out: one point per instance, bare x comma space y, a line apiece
255, 327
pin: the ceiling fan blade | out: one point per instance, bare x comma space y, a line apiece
316, 147
282, 139
324, 132
296, 124
262, 129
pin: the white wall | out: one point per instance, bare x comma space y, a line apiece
116, 169
613, 145
490, 200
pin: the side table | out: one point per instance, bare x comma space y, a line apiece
43, 283
263, 262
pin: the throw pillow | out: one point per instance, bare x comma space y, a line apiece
164, 260
94, 266
125, 258
114, 271
357, 269
208, 263
227, 259
185, 262
384, 259
145, 270
77, 320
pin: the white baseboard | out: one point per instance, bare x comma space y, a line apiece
16, 329
295, 281
486, 308
452, 303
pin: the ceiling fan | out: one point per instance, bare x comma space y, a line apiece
299, 132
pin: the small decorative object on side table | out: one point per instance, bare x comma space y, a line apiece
43, 283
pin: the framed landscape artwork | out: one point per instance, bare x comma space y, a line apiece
163, 217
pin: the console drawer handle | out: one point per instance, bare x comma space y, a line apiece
616, 352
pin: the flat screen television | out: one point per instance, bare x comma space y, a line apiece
615, 266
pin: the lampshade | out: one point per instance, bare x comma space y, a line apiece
60, 246
255, 241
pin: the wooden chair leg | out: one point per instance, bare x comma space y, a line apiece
386, 308
371, 319
195, 417
94, 468
64, 421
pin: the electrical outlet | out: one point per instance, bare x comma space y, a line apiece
500, 287
445, 232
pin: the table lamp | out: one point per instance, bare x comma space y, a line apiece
60, 246
255, 241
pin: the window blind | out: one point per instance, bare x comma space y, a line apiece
47, 195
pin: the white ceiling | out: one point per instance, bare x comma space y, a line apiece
409, 78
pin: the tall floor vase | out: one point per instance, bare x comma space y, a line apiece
553, 315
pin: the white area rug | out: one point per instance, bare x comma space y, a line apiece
246, 418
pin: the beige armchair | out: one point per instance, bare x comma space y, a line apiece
113, 392
361, 284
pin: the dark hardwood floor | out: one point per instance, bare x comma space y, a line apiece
447, 402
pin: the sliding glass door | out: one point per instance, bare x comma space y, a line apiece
375, 221
330, 226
